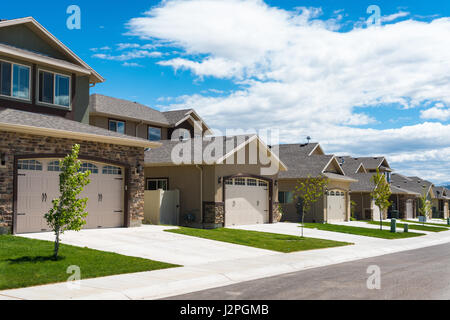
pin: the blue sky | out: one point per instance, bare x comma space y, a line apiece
303, 67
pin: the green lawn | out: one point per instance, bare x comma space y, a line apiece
26, 262
412, 227
368, 232
427, 223
262, 240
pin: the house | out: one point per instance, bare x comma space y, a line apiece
363, 169
44, 111
137, 120
223, 181
440, 203
213, 191
309, 160
409, 204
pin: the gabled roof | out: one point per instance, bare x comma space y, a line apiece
303, 165
364, 183
414, 184
109, 106
441, 193
373, 163
352, 165
54, 126
50, 38
124, 109
199, 147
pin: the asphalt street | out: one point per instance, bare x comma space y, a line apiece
417, 274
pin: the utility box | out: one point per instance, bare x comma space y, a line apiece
393, 225
162, 207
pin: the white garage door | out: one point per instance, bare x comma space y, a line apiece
38, 185
246, 201
336, 206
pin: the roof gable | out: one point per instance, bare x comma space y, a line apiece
49, 44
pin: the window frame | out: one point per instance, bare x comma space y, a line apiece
38, 84
157, 182
154, 127
116, 121
12, 81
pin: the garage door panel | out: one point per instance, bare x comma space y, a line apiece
104, 192
336, 209
246, 204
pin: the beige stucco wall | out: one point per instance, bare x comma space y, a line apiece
130, 126
319, 210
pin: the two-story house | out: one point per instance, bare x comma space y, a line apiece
213, 190
44, 111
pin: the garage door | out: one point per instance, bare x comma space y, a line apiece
336, 206
246, 201
409, 209
38, 185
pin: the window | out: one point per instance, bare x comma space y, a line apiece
89, 166
154, 134
229, 182
117, 126
285, 197
54, 89
14, 80
31, 165
2, 159
54, 166
239, 182
157, 184
252, 182
111, 170
262, 183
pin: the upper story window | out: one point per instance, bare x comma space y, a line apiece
2, 160
117, 126
154, 134
15, 80
54, 88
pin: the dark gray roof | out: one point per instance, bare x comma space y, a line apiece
18, 118
371, 163
349, 164
123, 108
364, 184
196, 146
414, 184
441, 193
174, 116
299, 163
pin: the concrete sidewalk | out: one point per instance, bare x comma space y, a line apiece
171, 282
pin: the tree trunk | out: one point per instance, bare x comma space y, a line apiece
303, 218
56, 250
381, 219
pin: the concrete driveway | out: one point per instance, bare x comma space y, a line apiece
152, 242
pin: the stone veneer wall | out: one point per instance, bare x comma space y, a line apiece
24, 144
276, 212
214, 212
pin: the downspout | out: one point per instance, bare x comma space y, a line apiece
201, 192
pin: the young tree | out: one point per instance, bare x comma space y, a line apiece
424, 205
68, 212
309, 191
381, 194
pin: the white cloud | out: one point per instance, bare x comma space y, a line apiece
131, 64
394, 16
438, 112
294, 71
135, 54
